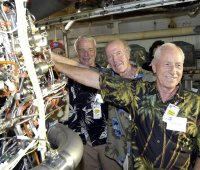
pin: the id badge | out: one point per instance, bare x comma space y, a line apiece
96, 110
177, 124
171, 111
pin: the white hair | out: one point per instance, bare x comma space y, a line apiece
159, 50
83, 37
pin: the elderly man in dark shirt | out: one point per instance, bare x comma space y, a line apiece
165, 115
87, 112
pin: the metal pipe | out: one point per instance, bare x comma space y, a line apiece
36, 7
69, 146
147, 34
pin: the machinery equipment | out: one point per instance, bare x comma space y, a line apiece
30, 97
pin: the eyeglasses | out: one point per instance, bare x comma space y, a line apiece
83, 51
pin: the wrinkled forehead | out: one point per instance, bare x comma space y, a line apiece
85, 43
114, 47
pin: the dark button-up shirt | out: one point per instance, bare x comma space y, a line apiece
156, 146
81, 118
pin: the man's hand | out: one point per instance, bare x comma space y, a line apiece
197, 164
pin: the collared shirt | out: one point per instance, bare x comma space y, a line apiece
157, 147
119, 125
81, 118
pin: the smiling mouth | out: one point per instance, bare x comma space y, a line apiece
172, 78
86, 59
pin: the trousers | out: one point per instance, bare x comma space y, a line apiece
94, 158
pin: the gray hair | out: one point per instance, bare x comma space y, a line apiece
159, 50
89, 38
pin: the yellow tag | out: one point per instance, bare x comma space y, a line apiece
171, 111
96, 110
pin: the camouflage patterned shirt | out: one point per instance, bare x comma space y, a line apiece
153, 145
119, 124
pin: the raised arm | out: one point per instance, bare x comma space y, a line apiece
60, 59
82, 75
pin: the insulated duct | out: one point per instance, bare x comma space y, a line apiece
148, 34
69, 147
44, 8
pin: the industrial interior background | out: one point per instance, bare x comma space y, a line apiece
139, 22
33, 100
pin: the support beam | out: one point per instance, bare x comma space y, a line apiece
174, 32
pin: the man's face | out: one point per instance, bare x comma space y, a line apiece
59, 51
168, 68
118, 57
86, 52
